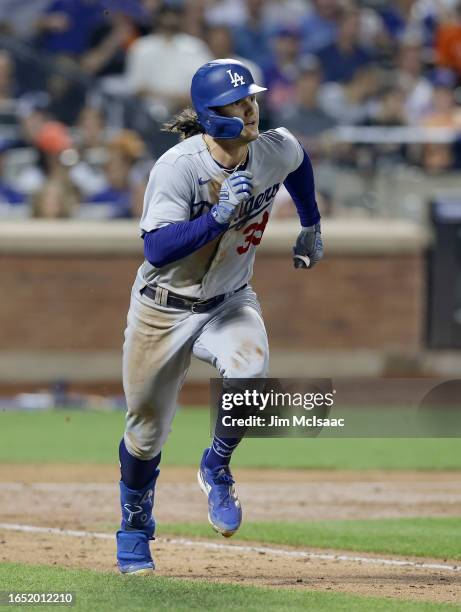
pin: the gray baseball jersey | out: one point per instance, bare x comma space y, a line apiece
159, 340
185, 183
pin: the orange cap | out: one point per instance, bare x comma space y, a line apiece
53, 137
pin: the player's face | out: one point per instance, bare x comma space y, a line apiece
247, 110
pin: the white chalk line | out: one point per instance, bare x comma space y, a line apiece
239, 548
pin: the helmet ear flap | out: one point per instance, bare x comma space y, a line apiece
221, 127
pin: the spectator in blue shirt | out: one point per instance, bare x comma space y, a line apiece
281, 74
252, 40
341, 59
9, 196
66, 25
112, 37
10, 199
319, 28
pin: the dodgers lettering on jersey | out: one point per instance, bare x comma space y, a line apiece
185, 183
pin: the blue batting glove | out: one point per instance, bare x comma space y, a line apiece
234, 190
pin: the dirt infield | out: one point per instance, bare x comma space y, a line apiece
86, 498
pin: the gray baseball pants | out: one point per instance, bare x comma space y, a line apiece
159, 343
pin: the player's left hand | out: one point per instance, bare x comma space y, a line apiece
308, 249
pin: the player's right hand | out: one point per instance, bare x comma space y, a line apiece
234, 190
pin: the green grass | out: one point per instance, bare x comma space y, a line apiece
420, 537
92, 437
104, 591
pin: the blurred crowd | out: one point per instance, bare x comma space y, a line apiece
85, 86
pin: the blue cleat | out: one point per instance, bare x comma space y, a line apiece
136, 529
224, 510
133, 553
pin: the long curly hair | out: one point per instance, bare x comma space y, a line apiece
185, 123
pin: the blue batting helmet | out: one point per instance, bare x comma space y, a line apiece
218, 83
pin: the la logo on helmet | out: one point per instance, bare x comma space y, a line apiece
236, 79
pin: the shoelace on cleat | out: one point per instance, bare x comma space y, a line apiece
224, 481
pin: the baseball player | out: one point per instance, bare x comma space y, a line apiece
206, 207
